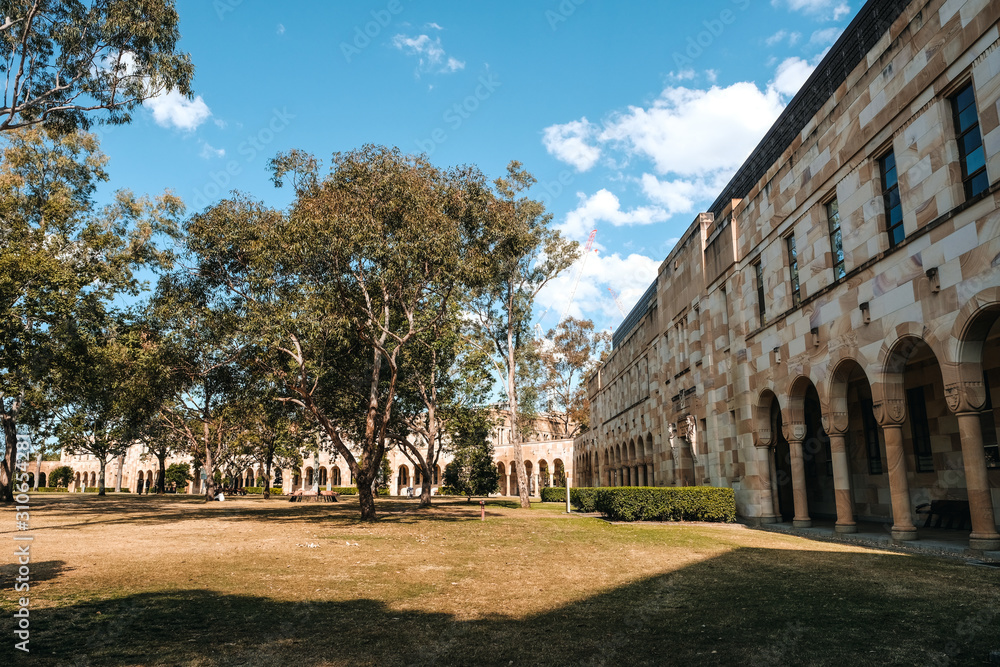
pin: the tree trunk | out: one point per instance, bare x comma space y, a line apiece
38, 466
366, 497
7, 474
515, 433
267, 475
100, 477
161, 476
209, 473
426, 482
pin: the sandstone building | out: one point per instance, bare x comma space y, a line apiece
824, 339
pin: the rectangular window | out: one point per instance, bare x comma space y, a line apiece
970, 142
987, 421
793, 267
917, 404
890, 198
871, 438
836, 239
758, 269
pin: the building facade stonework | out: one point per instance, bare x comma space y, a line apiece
824, 340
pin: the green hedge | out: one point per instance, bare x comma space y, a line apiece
345, 490
259, 490
583, 498
555, 494
51, 489
692, 503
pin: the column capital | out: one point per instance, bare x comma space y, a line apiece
835, 423
889, 412
965, 396
794, 431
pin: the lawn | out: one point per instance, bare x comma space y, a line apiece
129, 580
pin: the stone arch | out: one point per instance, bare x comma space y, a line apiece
402, 477
962, 371
763, 431
543, 473
502, 473
41, 479
559, 472
899, 346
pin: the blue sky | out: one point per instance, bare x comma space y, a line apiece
631, 115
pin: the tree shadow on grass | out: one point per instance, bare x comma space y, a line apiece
38, 571
749, 606
164, 510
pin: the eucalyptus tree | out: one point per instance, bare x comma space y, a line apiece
63, 261
525, 254
366, 260
106, 395
63, 60
570, 352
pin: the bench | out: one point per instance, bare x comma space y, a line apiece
948, 514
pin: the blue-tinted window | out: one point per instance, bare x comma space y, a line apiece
970, 143
890, 197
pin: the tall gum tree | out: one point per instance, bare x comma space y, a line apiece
65, 61
525, 254
63, 261
569, 354
366, 260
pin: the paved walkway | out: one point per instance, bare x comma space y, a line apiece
936, 541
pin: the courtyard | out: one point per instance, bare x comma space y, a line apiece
149, 580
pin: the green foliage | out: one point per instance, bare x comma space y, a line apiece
258, 490
51, 489
345, 490
554, 494
584, 499
472, 471
61, 476
178, 474
575, 351
65, 60
692, 503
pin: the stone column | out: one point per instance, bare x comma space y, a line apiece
773, 469
984, 533
767, 506
650, 475
899, 487
801, 499
842, 485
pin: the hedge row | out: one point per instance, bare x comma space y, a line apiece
50, 489
259, 490
584, 498
692, 503
555, 494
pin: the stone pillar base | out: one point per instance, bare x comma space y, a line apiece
768, 519
802, 523
984, 543
904, 535
846, 528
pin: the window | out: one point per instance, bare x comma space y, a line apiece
836, 239
793, 267
987, 422
871, 438
920, 429
890, 198
970, 142
759, 272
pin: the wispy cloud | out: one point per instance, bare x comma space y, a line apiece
174, 110
430, 54
823, 9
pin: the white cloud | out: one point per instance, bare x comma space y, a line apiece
208, 151
173, 109
431, 55
783, 35
629, 276
569, 143
603, 206
824, 9
825, 37
696, 132
433, 26
679, 196
790, 75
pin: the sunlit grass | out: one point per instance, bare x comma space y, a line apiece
148, 581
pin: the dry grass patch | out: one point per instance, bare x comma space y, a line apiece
171, 580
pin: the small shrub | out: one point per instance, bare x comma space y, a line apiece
583, 499
383, 492
692, 503
345, 490
259, 490
555, 494
51, 489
